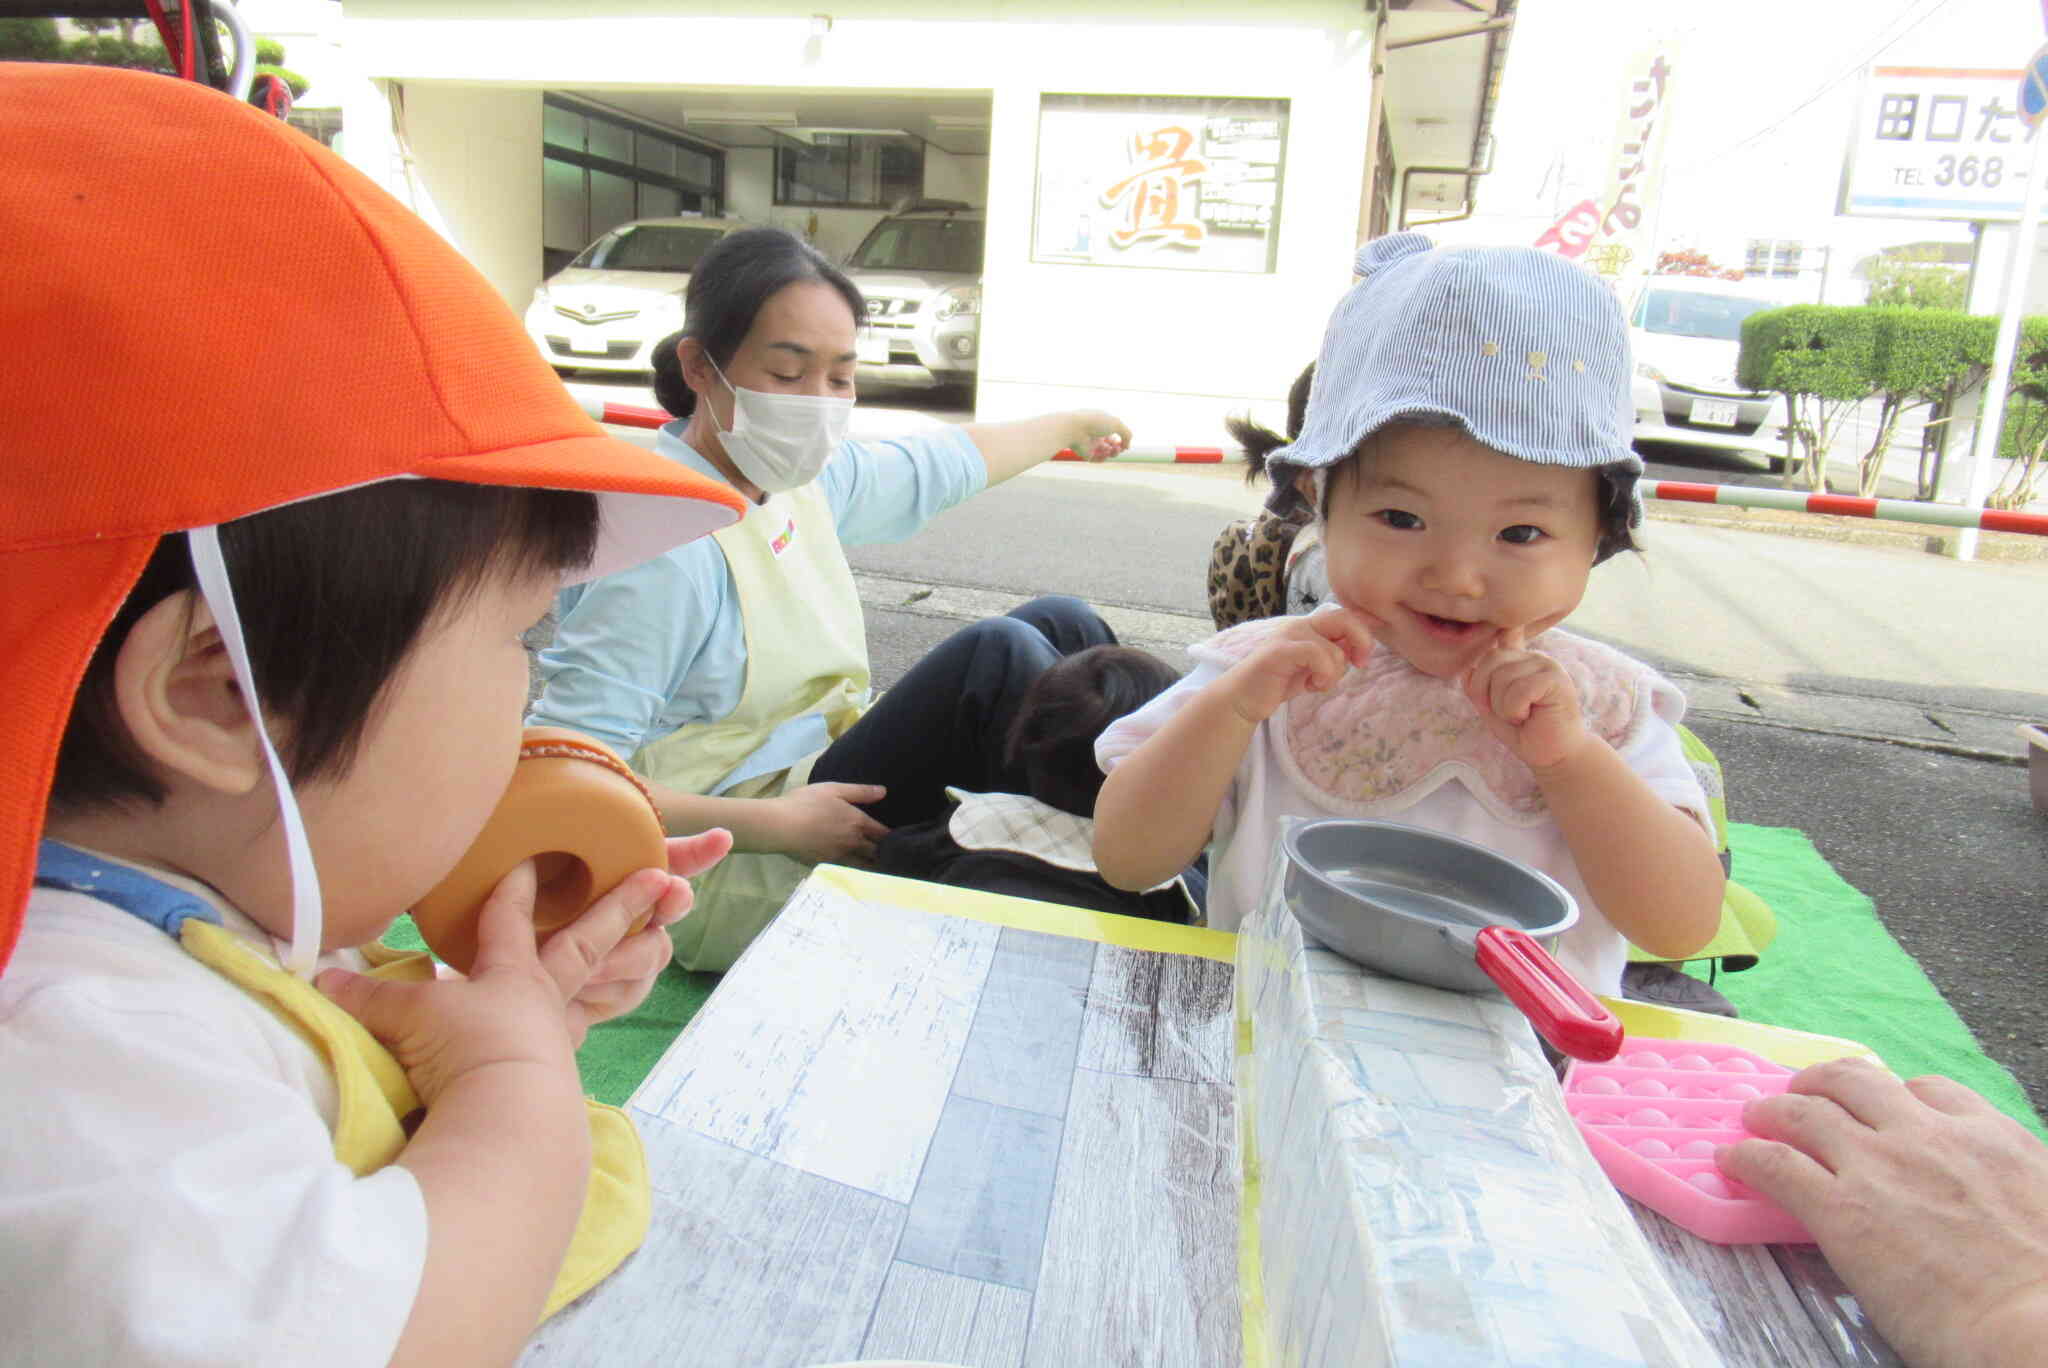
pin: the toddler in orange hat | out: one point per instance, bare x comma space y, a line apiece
280, 496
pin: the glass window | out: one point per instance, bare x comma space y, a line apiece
922, 245
659, 201
611, 141
565, 205
611, 200
1684, 313
654, 154
850, 169
561, 127
650, 247
655, 176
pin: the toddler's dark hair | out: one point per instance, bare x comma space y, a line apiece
1260, 441
728, 286
1067, 707
332, 594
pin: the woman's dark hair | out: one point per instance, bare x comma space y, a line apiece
728, 286
1066, 708
332, 594
1260, 441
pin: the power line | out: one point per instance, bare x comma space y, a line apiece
1851, 70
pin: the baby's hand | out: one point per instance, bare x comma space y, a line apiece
624, 977
515, 1007
1310, 653
1528, 702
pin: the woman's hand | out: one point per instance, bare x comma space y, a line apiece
1930, 1202
1310, 653
1528, 702
1097, 436
823, 824
625, 975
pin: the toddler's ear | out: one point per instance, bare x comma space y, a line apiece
175, 690
1305, 485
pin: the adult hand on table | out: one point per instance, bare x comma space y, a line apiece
1930, 1203
822, 824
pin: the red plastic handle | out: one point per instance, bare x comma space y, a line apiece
1562, 1011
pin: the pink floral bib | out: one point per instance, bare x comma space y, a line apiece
1387, 735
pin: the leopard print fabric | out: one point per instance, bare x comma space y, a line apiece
1248, 570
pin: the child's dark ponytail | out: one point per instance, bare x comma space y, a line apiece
1260, 441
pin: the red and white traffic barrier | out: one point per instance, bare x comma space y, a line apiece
1169, 455
1844, 505
1677, 491
623, 415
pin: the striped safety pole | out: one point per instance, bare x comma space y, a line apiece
623, 415
1889, 510
1168, 455
640, 416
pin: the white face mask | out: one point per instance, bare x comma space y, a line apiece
781, 441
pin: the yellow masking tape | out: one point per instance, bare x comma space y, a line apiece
1107, 928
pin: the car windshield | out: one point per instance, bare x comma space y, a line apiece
952, 245
1686, 313
649, 247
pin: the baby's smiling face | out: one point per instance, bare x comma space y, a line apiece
1445, 544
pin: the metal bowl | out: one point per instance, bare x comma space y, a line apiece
1408, 902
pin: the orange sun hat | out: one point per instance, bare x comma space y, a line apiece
213, 315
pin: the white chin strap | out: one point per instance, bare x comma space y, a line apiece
220, 597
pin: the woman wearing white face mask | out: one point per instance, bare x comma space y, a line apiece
734, 671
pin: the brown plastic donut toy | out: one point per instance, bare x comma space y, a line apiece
576, 811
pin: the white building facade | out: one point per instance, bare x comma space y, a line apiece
1173, 189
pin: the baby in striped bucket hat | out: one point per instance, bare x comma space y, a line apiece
1466, 455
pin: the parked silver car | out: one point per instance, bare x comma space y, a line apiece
920, 271
622, 294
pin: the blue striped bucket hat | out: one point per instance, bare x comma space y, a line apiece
1524, 350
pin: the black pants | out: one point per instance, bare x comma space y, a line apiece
947, 720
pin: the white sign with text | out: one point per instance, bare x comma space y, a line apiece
1939, 143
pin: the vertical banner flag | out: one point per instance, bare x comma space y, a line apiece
1612, 233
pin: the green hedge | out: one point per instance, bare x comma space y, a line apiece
1817, 349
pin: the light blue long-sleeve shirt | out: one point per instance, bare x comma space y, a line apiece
639, 654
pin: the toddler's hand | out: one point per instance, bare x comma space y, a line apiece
624, 977
1528, 702
1310, 653
513, 1010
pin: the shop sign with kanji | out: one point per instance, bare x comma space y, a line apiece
1937, 142
1153, 181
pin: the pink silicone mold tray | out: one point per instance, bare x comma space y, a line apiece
1653, 1116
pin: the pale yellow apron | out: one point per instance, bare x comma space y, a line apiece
374, 1099
806, 653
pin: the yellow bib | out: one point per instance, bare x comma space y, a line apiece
806, 653
375, 1100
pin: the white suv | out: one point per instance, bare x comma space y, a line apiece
920, 271
622, 294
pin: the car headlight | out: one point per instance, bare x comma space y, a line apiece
540, 294
959, 301
1648, 371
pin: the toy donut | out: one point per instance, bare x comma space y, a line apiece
576, 811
